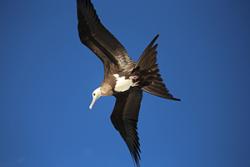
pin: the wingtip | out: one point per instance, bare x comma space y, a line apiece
137, 162
176, 99
172, 98
153, 41
156, 37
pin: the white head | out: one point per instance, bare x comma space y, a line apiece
95, 95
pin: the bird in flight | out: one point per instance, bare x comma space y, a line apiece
123, 78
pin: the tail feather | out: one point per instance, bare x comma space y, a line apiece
151, 80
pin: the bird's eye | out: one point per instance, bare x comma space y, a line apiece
93, 94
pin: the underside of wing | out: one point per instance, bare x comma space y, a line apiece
95, 36
125, 118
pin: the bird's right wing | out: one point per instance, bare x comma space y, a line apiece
96, 37
125, 118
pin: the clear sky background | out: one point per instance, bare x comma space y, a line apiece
47, 77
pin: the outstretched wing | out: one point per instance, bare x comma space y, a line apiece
97, 38
125, 118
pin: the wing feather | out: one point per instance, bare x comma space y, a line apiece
125, 118
96, 37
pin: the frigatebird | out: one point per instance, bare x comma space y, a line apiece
123, 78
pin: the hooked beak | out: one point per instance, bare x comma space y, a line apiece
92, 103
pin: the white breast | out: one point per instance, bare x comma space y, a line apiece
122, 84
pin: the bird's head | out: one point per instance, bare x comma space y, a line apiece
97, 93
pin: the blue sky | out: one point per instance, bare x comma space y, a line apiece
47, 77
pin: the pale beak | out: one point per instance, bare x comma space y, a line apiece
92, 103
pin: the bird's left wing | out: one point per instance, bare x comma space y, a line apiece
96, 37
125, 118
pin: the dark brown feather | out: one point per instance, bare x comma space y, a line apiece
96, 37
151, 74
125, 117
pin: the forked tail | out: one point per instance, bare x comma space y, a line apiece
150, 78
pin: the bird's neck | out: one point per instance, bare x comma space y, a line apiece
106, 89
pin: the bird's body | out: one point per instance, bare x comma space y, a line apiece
119, 82
123, 83
123, 78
